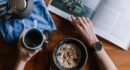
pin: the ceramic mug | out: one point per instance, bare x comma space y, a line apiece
33, 39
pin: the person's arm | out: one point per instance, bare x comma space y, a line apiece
24, 55
85, 27
20, 65
104, 61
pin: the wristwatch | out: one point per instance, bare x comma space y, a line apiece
97, 46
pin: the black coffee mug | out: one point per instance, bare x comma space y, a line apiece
33, 39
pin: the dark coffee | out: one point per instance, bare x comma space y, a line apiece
33, 38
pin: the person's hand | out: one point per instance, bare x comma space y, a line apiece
85, 27
23, 53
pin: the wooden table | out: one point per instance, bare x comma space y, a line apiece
8, 52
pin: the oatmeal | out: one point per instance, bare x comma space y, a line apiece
68, 55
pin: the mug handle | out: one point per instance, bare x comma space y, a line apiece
35, 23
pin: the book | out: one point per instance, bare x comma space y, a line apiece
111, 18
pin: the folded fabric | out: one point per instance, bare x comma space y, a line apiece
10, 30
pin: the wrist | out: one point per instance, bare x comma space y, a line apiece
21, 61
96, 47
24, 57
93, 41
20, 64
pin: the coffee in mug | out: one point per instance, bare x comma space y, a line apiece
33, 39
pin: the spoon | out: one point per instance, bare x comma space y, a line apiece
47, 38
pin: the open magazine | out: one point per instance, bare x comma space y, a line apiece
111, 18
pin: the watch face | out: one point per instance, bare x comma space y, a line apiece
98, 46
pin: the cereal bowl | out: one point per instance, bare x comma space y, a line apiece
70, 54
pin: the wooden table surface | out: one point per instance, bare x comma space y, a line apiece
8, 52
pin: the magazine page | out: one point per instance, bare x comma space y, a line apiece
66, 8
112, 22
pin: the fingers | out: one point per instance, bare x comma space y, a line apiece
20, 36
75, 22
89, 21
85, 20
81, 22
22, 33
35, 51
32, 53
29, 54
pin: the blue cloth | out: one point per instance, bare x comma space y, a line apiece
11, 30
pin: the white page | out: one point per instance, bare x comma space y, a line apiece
112, 22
